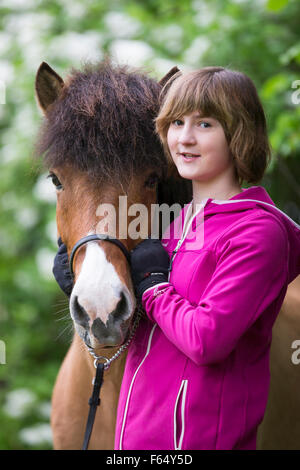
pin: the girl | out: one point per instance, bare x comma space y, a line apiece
197, 371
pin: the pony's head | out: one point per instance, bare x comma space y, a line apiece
105, 160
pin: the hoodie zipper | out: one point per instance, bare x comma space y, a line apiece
173, 255
185, 231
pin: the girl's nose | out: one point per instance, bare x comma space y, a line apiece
186, 136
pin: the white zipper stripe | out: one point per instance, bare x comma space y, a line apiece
131, 385
216, 201
183, 390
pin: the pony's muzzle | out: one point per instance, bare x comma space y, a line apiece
91, 327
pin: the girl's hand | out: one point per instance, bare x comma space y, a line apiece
149, 265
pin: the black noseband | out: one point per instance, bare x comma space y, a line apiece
95, 237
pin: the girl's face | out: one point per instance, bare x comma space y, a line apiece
199, 148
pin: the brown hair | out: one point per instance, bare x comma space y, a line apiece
231, 98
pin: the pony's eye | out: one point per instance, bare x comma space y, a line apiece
151, 181
55, 181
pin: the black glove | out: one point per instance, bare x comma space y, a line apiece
61, 269
149, 265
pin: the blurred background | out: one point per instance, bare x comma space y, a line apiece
258, 37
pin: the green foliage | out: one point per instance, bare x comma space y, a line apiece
259, 37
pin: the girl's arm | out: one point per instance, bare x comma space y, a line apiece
251, 272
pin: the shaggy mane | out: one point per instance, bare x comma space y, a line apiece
103, 123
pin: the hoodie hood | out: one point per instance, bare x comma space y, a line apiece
257, 196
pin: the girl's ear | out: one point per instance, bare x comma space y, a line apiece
48, 86
171, 72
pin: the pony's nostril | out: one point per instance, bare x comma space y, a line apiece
121, 308
79, 314
113, 332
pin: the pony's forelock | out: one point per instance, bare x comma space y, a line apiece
103, 123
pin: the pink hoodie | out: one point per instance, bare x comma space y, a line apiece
197, 371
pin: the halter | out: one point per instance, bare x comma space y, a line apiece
94, 237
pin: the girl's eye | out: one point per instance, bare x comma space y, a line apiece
177, 122
204, 124
55, 181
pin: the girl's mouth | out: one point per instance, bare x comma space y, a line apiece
189, 157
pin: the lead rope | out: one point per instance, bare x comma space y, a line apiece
100, 367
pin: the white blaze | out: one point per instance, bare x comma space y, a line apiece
98, 287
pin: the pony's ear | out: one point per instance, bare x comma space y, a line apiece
171, 72
48, 86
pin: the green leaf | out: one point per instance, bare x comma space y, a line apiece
276, 5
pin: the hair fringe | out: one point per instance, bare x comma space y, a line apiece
103, 123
